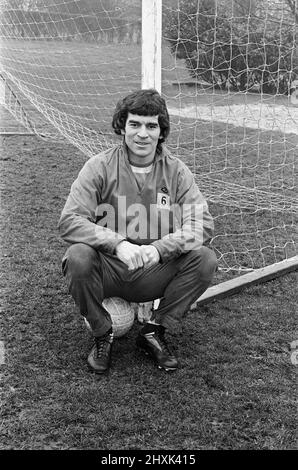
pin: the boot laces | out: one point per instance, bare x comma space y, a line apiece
102, 344
163, 342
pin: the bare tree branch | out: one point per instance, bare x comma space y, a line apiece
293, 5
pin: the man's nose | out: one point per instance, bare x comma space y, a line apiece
143, 132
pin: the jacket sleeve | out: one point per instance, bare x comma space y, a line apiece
194, 224
77, 223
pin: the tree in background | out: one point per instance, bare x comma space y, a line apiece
236, 44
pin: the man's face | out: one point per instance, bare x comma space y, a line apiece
141, 136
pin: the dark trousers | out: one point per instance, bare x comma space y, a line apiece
93, 276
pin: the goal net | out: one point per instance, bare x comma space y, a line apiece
229, 76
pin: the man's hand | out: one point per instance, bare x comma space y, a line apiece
150, 255
130, 254
136, 256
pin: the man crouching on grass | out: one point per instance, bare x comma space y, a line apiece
139, 229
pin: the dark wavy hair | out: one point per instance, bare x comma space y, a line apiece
144, 103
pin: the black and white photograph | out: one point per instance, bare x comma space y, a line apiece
149, 230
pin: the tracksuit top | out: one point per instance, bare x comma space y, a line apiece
106, 205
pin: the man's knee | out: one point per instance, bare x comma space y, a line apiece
79, 260
205, 261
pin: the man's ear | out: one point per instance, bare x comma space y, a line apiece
122, 132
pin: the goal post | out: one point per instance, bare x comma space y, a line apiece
151, 44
